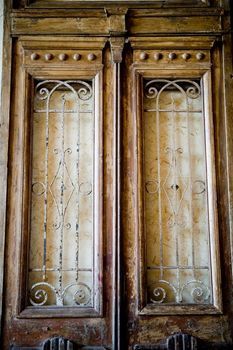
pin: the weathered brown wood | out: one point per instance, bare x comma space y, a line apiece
67, 25
141, 329
224, 164
90, 26
86, 330
60, 39
81, 3
166, 25
4, 136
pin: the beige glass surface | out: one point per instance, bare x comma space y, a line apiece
175, 193
61, 222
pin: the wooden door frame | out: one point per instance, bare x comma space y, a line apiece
4, 134
117, 29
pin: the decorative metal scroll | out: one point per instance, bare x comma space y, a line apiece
61, 233
175, 193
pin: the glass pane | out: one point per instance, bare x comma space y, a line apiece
175, 193
61, 224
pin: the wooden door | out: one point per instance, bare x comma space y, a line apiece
172, 268
118, 212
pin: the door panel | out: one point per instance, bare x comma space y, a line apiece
176, 193
56, 249
164, 230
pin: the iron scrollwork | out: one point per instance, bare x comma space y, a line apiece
175, 191
59, 188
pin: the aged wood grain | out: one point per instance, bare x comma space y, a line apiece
4, 137
66, 39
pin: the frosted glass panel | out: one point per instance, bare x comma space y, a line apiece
61, 224
175, 193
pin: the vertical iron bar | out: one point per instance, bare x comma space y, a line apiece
159, 187
175, 212
46, 186
77, 198
190, 190
62, 198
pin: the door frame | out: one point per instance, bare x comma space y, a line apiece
117, 29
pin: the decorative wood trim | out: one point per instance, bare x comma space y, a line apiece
175, 25
4, 136
113, 21
71, 53
175, 57
117, 25
173, 42
168, 12
60, 25
117, 45
169, 3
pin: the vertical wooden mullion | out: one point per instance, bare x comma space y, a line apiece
116, 214
117, 44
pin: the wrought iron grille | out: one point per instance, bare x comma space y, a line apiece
61, 261
175, 193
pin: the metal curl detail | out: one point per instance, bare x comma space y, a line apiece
68, 151
85, 188
200, 293
177, 150
68, 226
40, 294
159, 292
199, 187
42, 94
83, 93
56, 151
82, 296
152, 92
193, 91
39, 297
57, 225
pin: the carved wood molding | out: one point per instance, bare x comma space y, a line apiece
77, 3
117, 45
115, 21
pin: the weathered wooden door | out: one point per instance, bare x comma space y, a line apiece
118, 214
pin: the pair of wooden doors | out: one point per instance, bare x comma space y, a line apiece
118, 207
